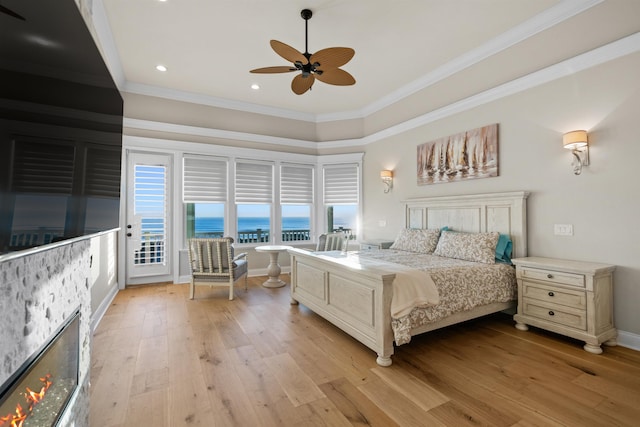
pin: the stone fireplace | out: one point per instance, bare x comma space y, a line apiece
40, 293
38, 392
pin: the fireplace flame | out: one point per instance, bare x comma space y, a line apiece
32, 398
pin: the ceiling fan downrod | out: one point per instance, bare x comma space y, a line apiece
306, 15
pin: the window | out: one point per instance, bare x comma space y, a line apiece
296, 199
205, 194
254, 196
260, 199
341, 197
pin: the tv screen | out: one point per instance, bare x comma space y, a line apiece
60, 127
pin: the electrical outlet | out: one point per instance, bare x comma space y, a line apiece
563, 229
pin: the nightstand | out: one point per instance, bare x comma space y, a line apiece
572, 298
366, 245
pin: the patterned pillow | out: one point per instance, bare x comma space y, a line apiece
478, 247
416, 240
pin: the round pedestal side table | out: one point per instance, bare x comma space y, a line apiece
274, 268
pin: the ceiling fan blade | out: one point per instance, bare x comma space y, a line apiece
336, 76
301, 84
332, 57
287, 52
269, 70
11, 13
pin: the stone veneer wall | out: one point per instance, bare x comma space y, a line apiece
38, 292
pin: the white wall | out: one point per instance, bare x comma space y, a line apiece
103, 280
602, 203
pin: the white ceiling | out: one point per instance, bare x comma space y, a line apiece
402, 46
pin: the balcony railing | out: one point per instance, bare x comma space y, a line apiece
151, 250
261, 236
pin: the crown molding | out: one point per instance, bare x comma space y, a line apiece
548, 18
614, 50
562, 11
212, 101
107, 43
216, 133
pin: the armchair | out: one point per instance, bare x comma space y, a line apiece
332, 242
213, 263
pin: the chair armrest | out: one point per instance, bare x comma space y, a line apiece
241, 255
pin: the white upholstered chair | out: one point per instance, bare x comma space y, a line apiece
214, 264
332, 242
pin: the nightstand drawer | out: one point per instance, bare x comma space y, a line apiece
375, 244
556, 314
575, 299
559, 277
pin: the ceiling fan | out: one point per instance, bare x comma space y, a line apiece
322, 65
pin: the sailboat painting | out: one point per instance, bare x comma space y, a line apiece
466, 155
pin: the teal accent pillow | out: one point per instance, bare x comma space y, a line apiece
503, 249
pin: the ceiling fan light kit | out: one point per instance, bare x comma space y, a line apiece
323, 65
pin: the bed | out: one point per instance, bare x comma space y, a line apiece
355, 290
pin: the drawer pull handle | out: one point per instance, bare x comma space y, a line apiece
549, 276
551, 294
551, 313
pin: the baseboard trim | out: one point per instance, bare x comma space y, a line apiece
103, 307
263, 271
629, 340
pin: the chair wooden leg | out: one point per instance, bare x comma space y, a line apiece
231, 290
192, 290
246, 276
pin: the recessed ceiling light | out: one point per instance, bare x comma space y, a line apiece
161, 68
255, 86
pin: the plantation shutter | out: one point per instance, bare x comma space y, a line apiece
254, 182
340, 184
43, 168
204, 180
103, 172
296, 184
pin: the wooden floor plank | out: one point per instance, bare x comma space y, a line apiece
354, 405
298, 386
399, 409
150, 408
415, 390
159, 358
189, 403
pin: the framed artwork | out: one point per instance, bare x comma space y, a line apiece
466, 155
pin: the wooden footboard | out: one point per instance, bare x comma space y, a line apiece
355, 298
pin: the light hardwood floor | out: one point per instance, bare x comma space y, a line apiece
160, 359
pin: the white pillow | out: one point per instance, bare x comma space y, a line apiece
416, 240
478, 247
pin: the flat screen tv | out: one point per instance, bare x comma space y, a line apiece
60, 127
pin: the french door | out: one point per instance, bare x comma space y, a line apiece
147, 224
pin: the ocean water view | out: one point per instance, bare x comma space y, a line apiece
207, 225
216, 224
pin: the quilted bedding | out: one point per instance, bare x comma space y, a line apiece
462, 285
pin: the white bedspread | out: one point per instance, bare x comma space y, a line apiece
412, 288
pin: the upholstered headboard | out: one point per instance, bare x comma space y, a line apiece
502, 212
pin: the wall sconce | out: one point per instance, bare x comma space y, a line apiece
387, 179
577, 142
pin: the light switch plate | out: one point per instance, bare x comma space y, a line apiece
563, 229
